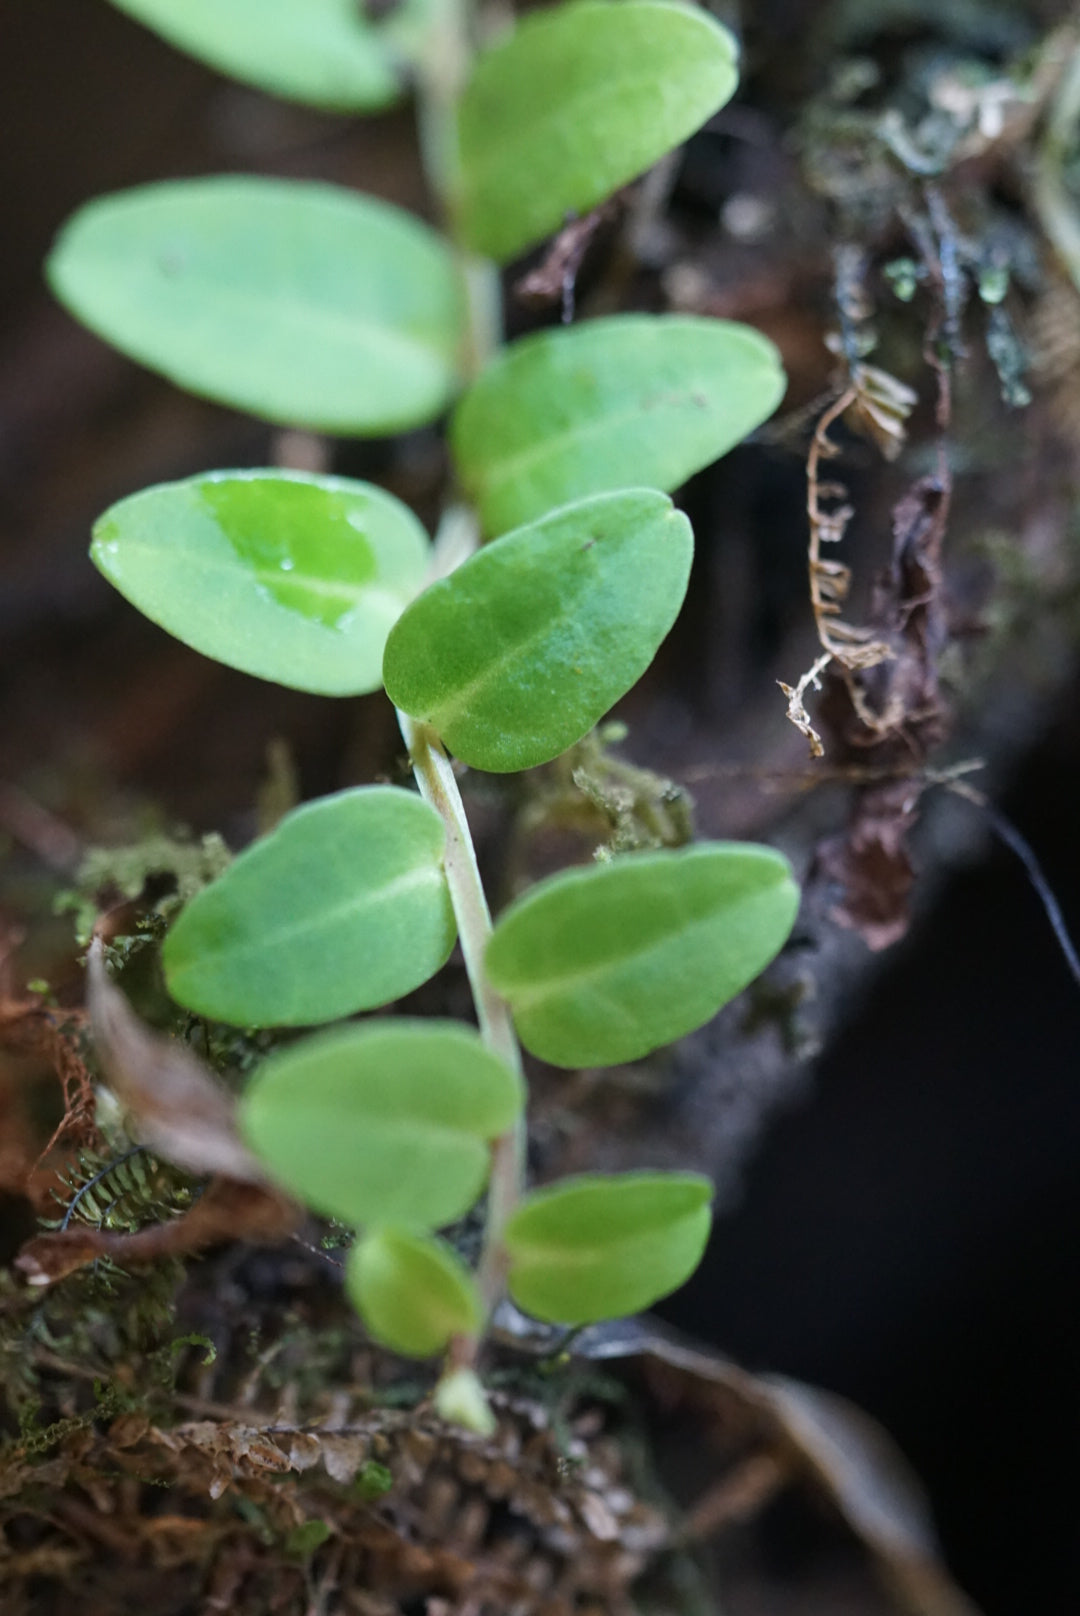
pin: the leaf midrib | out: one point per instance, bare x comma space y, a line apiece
523, 460
401, 886
528, 998
303, 316
557, 115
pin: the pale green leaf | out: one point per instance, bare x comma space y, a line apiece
597, 1247
293, 578
580, 99
301, 303
413, 1294
605, 963
343, 907
633, 400
324, 53
521, 650
388, 1121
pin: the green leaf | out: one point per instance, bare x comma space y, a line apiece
633, 400
389, 1121
518, 652
596, 1247
413, 1294
606, 963
301, 303
324, 53
305, 1538
373, 1480
292, 578
579, 100
343, 907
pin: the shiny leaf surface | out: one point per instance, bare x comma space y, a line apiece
293, 578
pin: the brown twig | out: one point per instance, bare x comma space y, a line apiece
554, 280
852, 648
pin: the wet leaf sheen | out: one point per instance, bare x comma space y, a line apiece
292, 578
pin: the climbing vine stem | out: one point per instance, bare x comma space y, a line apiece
438, 785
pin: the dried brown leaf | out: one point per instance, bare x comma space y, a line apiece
342, 1456
305, 1450
184, 1115
871, 865
176, 1106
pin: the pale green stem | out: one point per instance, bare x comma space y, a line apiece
442, 78
438, 786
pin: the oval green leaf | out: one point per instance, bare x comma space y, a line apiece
343, 907
414, 1295
386, 1122
605, 963
324, 53
597, 1247
300, 303
519, 652
293, 578
579, 100
634, 400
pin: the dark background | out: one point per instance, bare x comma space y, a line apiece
910, 1235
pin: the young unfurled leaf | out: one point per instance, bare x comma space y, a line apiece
519, 652
413, 1293
580, 99
633, 400
606, 963
343, 907
301, 303
596, 1248
386, 1122
460, 1399
324, 53
289, 577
